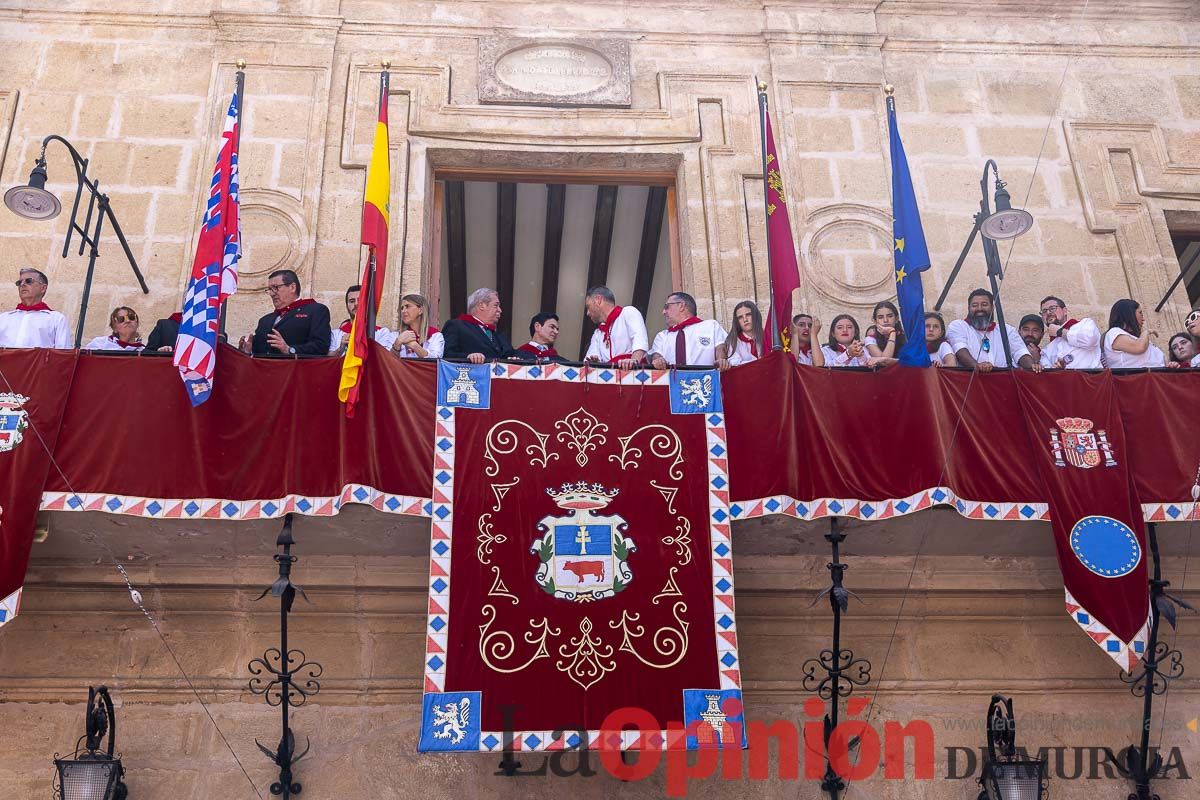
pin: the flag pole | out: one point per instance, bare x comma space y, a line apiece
239, 86
369, 290
776, 344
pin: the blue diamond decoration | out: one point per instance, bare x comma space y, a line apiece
444, 445
532, 741
1138, 647
772, 504
443, 476
445, 413
303, 504
154, 507
719, 482
440, 585
720, 516
836, 507
717, 450
903, 506
1027, 511
1172, 511
498, 371
442, 512
571, 374
74, 502
724, 584
606, 376
1112, 646
229, 509
573, 740
438, 623
961, 506
724, 621
722, 549
491, 741
392, 503
1083, 619
435, 663
642, 376
991, 510
113, 504
536, 372
440, 548
735, 510
714, 419
868, 511
938, 495
802, 509
191, 508
728, 660
361, 494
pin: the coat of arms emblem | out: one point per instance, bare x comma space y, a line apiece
13, 420
583, 553
1075, 441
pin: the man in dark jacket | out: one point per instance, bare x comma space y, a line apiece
473, 335
296, 327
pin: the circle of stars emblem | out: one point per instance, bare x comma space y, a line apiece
1105, 546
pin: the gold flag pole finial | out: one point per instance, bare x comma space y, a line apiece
888, 89
762, 87
387, 64
241, 63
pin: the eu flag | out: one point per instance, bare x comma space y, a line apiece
911, 253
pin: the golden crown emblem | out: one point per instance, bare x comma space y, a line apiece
1074, 424
582, 495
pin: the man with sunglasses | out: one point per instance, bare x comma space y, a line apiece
1074, 343
976, 339
688, 340
33, 323
296, 327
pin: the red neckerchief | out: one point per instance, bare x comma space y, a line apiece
291, 306
546, 351
750, 341
606, 327
176, 317
472, 320
684, 324
345, 327
35, 307
806, 350
134, 345
1066, 326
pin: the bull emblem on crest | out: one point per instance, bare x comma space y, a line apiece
583, 554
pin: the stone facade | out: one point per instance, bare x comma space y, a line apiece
1091, 109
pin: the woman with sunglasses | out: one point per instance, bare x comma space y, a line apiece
123, 322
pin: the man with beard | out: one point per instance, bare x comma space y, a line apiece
1032, 331
976, 339
1074, 343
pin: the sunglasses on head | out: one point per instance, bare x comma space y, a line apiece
119, 318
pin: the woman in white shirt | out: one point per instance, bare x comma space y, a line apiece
745, 342
123, 322
884, 339
844, 349
1127, 342
940, 351
417, 338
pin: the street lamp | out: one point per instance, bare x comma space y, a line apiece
91, 774
1007, 775
32, 201
1005, 222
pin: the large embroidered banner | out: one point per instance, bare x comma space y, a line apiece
580, 561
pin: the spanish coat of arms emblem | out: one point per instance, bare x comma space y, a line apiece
13, 420
583, 553
1075, 441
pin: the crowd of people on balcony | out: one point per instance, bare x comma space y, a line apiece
297, 326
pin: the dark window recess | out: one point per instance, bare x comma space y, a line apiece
1187, 250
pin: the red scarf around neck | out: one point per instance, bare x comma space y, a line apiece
40, 306
605, 327
687, 322
750, 341
546, 351
472, 320
124, 344
279, 312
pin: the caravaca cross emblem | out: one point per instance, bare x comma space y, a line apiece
583, 554
1079, 445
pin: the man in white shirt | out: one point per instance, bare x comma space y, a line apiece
620, 335
1074, 343
688, 340
339, 337
976, 339
33, 323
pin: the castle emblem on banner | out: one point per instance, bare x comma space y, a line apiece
583, 553
1074, 440
13, 420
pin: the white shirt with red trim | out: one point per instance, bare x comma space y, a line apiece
985, 345
702, 339
42, 328
385, 336
1118, 359
435, 345
113, 343
741, 354
803, 357
842, 358
1077, 346
628, 335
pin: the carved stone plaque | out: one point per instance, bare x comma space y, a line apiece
574, 72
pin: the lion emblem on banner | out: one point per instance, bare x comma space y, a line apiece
583, 553
453, 720
1075, 441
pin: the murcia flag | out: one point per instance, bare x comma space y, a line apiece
214, 271
785, 275
375, 237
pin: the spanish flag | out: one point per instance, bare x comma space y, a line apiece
375, 237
